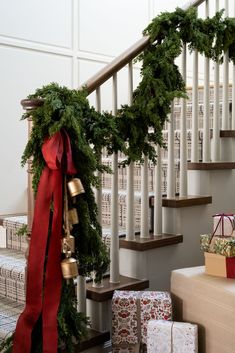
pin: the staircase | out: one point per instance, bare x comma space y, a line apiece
157, 211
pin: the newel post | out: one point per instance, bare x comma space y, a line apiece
29, 105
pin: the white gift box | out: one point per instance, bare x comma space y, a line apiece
172, 337
223, 224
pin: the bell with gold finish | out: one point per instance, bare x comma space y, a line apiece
69, 267
73, 216
68, 244
75, 187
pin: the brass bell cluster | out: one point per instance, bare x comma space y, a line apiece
69, 265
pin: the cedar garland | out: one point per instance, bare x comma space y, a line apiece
135, 132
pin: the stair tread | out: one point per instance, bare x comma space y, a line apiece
227, 133
14, 217
155, 241
9, 313
106, 292
94, 338
185, 201
12, 254
211, 165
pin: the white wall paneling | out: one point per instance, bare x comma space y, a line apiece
39, 21
21, 72
63, 41
110, 27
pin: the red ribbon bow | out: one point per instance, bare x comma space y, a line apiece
44, 281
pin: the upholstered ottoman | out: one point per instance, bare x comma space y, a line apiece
209, 302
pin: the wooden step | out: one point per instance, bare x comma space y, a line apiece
156, 241
106, 292
227, 133
186, 201
211, 165
93, 339
2, 217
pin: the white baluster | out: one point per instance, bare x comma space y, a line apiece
194, 150
81, 294
158, 194
99, 174
144, 229
114, 246
171, 157
130, 231
233, 93
183, 135
206, 117
225, 112
216, 117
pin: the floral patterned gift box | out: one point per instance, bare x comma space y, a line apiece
218, 245
172, 337
131, 312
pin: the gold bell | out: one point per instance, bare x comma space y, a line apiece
75, 187
68, 244
69, 268
73, 216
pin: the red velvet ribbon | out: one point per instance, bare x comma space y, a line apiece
230, 267
44, 276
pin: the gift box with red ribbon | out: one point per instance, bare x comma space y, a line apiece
131, 311
219, 265
224, 224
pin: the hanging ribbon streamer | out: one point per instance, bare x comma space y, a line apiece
44, 277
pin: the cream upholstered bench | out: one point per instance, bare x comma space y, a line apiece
209, 302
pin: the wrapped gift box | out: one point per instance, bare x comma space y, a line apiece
219, 265
223, 224
172, 337
131, 312
218, 245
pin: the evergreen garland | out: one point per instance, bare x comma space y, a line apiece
135, 132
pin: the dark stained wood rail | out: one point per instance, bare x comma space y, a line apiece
186, 201
106, 292
94, 338
211, 165
227, 133
156, 241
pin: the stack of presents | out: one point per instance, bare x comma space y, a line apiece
219, 247
142, 321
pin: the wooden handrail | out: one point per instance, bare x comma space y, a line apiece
118, 63
122, 60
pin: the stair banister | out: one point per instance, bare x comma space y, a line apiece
125, 58
233, 92
194, 139
130, 215
114, 245
183, 134
206, 117
157, 229
99, 174
93, 84
216, 113
171, 155
225, 111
